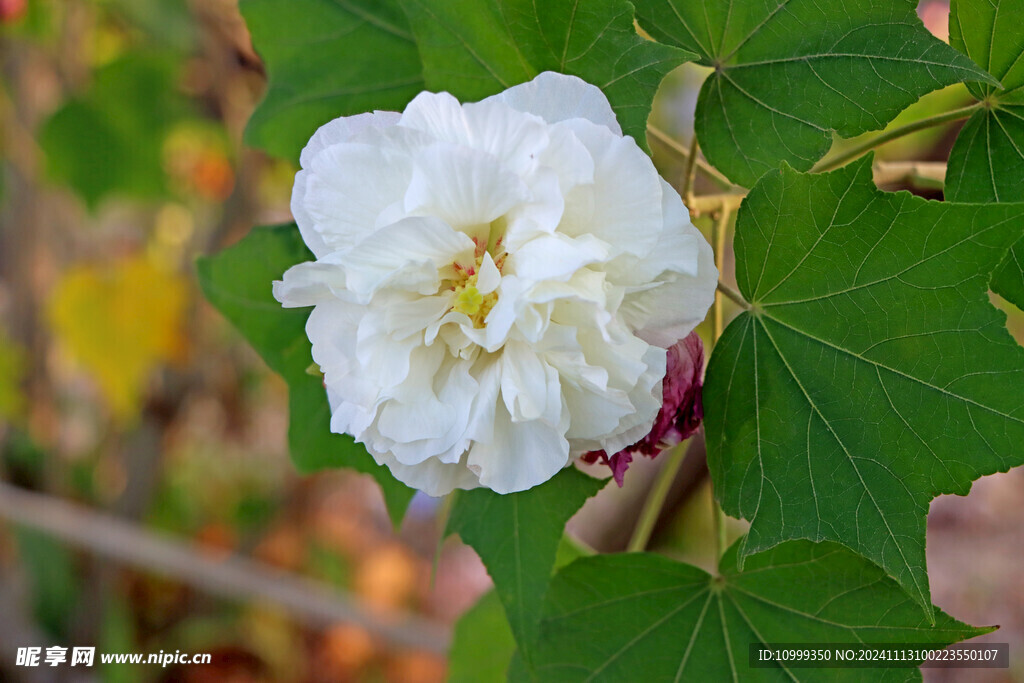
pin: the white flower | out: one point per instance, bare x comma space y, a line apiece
495, 283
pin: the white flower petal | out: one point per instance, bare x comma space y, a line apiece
431, 476
308, 284
464, 187
556, 257
406, 255
520, 456
489, 275
344, 205
623, 207
342, 130
683, 264
556, 97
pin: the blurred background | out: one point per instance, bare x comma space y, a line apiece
147, 501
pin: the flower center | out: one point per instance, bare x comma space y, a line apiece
469, 300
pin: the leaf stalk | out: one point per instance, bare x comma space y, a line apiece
888, 136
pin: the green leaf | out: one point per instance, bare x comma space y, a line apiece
789, 73
54, 578
872, 373
325, 59
482, 646
474, 49
644, 617
517, 536
987, 160
110, 139
238, 282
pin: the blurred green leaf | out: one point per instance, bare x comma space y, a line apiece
987, 160
482, 645
325, 60
118, 635
517, 536
238, 282
787, 75
54, 579
644, 617
110, 139
168, 22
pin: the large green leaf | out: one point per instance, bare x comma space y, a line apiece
325, 59
642, 617
790, 72
109, 140
987, 160
517, 537
871, 373
238, 282
474, 49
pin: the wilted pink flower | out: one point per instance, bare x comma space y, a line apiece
681, 408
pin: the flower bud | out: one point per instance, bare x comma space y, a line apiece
681, 408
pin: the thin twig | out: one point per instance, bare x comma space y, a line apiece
922, 175
710, 203
877, 141
690, 171
718, 232
674, 145
234, 577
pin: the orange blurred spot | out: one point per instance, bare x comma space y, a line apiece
212, 176
345, 649
216, 539
416, 667
282, 548
386, 578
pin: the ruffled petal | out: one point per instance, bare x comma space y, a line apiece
520, 456
463, 187
404, 255
557, 97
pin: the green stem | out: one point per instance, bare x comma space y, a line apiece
670, 142
718, 517
656, 499
736, 297
718, 235
868, 145
691, 169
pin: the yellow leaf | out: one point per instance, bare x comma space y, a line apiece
119, 322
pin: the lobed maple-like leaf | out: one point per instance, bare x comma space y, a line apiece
871, 373
643, 617
789, 73
987, 160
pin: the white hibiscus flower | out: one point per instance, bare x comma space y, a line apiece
495, 283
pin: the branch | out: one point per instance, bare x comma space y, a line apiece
672, 144
236, 577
